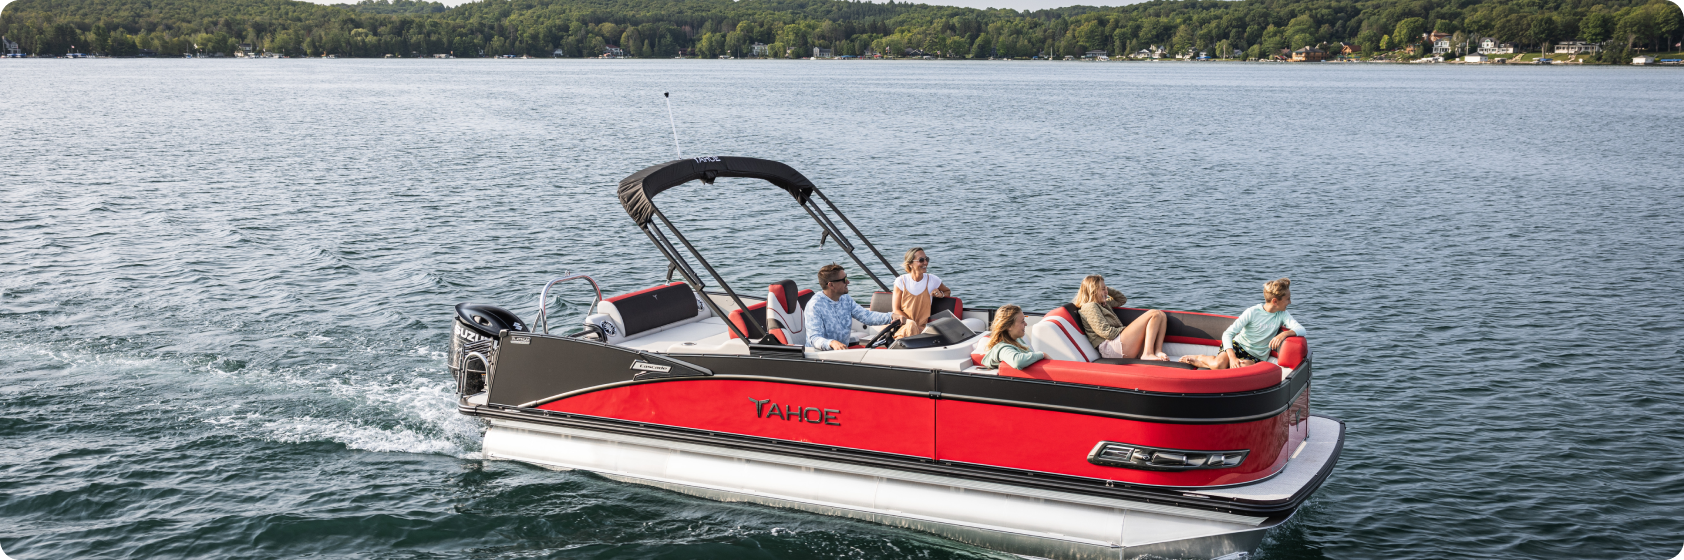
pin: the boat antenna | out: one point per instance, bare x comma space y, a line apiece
670, 121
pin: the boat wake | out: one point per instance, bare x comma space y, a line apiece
351, 434
400, 412
355, 403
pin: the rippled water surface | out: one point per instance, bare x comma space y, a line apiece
225, 286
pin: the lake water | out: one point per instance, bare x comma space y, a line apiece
226, 286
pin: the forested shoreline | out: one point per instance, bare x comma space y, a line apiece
793, 28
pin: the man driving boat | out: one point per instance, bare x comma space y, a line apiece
829, 312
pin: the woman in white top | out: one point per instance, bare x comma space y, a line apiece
915, 290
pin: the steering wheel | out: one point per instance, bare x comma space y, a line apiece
884, 336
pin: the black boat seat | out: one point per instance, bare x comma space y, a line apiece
949, 331
884, 302
648, 310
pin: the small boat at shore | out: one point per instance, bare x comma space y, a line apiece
708, 391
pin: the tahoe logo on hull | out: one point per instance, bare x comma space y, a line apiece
810, 414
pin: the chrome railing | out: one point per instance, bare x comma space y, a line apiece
543, 321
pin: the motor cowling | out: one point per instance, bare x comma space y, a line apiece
472, 339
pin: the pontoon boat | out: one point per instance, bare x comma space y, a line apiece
701, 389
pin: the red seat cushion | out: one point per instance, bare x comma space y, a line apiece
1292, 352
1152, 378
749, 324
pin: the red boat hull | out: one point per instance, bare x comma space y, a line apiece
1011, 437
868, 421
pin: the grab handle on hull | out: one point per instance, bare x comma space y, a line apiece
543, 321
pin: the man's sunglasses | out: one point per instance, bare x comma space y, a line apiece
843, 280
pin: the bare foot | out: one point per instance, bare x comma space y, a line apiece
1188, 359
1163, 357
1153, 357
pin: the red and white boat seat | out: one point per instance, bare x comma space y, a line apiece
754, 319
749, 320
1072, 359
649, 310
1059, 334
1063, 336
786, 311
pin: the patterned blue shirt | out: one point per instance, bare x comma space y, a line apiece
827, 319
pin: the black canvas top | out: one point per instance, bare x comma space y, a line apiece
638, 191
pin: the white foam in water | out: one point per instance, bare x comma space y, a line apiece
431, 401
424, 351
78, 357
356, 436
422, 405
408, 412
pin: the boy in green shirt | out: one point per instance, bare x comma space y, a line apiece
1256, 332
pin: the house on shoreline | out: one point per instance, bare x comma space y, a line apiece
1577, 47
1309, 54
1440, 42
1490, 45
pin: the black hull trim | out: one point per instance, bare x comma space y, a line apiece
1179, 497
544, 369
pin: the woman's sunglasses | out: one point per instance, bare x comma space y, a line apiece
921, 260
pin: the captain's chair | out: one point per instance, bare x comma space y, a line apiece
884, 302
784, 312
780, 314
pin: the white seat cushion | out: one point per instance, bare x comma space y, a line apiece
1061, 341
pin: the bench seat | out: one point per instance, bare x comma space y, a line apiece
1155, 379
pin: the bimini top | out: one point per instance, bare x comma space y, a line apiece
638, 191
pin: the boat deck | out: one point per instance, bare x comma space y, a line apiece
711, 335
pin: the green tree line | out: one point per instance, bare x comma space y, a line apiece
792, 28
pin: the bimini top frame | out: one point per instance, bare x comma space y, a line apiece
637, 194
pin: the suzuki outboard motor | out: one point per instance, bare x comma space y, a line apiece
472, 339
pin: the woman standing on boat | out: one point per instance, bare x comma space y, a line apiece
1142, 338
915, 291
